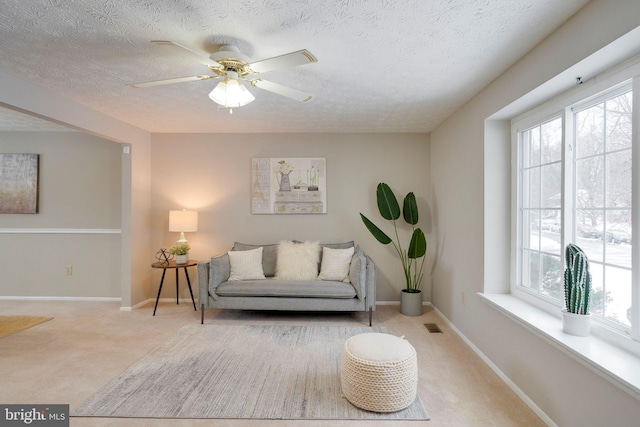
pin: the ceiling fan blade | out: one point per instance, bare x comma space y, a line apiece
282, 90
170, 81
292, 59
199, 57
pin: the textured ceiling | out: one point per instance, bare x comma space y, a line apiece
383, 65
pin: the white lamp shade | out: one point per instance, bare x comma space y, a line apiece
183, 220
231, 93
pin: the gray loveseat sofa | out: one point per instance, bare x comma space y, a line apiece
272, 293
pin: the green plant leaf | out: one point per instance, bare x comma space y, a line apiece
410, 209
418, 244
387, 202
377, 233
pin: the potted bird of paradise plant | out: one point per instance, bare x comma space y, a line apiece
413, 257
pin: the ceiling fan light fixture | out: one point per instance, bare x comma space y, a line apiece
235, 69
230, 93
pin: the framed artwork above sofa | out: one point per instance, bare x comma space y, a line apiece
288, 185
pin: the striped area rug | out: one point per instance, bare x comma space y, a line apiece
236, 372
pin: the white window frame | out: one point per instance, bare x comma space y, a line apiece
561, 105
521, 290
570, 232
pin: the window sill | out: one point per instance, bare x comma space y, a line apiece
612, 363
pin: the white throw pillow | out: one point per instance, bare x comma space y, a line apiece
335, 264
298, 261
246, 265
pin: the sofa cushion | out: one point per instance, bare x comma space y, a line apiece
297, 261
335, 264
269, 256
290, 288
246, 265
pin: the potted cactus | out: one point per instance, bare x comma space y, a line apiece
576, 317
411, 296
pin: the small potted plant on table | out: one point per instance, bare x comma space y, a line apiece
181, 253
576, 318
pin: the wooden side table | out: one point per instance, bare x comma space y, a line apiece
172, 264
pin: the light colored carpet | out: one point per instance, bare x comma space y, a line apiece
12, 324
239, 371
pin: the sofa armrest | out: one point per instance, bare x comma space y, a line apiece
358, 273
203, 283
219, 271
371, 285
210, 275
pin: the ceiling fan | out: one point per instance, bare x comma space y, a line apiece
233, 68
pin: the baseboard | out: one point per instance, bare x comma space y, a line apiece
138, 305
152, 300
530, 403
142, 303
26, 298
100, 299
424, 303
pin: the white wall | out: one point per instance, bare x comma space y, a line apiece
79, 189
211, 174
136, 226
470, 198
134, 278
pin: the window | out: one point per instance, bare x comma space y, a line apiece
574, 184
603, 195
541, 197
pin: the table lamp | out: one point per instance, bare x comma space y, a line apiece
183, 221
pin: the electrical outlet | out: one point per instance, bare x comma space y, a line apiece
69, 270
463, 297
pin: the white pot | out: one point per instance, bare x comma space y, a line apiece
182, 259
576, 324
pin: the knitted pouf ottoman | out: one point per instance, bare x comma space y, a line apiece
379, 372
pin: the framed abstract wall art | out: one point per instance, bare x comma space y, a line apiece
288, 185
19, 183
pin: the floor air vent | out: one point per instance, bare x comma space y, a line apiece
432, 328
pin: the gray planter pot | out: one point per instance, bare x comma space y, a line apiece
411, 303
